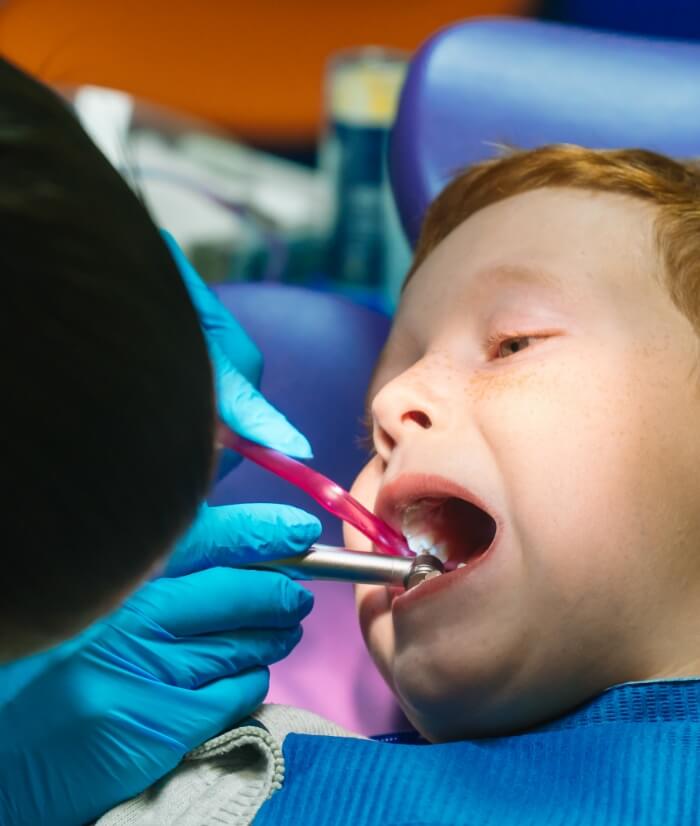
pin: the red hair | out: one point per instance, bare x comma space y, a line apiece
672, 187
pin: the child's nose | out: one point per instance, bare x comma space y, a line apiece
401, 409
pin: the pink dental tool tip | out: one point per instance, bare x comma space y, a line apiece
324, 490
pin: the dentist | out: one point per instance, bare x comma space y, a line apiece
126, 637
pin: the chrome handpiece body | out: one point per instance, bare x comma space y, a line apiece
344, 565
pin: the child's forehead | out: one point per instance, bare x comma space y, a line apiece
555, 238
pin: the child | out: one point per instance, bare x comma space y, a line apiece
535, 420
542, 367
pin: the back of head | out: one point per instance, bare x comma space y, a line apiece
108, 403
671, 186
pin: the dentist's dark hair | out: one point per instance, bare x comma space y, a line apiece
107, 398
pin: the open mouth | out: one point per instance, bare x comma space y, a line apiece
456, 531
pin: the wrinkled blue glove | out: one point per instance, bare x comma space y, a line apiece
182, 660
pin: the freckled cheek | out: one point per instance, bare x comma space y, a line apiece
552, 434
571, 448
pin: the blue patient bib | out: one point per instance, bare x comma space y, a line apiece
630, 757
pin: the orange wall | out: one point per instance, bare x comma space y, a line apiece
255, 67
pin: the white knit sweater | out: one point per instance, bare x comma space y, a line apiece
225, 781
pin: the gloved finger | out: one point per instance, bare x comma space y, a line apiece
222, 599
233, 355
218, 324
236, 534
246, 411
190, 662
220, 705
203, 659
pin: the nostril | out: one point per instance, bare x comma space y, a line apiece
420, 418
383, 439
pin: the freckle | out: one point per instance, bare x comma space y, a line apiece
484, 385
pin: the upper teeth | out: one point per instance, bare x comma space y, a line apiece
420, 540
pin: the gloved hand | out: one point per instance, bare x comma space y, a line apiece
231, 534
237, 365
181, 661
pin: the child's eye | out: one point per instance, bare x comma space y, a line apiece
501, 345
511, 346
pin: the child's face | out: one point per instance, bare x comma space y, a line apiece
538, 367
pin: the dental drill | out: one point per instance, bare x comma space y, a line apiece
343, 565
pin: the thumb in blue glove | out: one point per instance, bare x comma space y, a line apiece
230, 535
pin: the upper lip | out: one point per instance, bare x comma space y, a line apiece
395, 497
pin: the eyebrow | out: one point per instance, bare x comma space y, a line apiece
504, 274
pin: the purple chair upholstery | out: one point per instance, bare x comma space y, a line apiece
319, 352
482, 83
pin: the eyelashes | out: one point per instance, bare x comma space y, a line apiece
365, 440
497, 341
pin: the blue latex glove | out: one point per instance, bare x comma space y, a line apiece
183, 660
230, 534
237, 365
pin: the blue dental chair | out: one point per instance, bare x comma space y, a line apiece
483, 83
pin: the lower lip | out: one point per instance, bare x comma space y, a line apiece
437, 584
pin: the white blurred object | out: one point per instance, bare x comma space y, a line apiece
106, 117
237, 212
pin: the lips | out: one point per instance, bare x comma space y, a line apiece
439, 516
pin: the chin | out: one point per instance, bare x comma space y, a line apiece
465, 717
452, 719
448, 700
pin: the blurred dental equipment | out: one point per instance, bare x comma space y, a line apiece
362, 92
239, 213
325, 491
344, 565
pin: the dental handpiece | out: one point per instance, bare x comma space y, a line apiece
343, 565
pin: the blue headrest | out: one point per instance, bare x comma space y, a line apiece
319, 352
480, 84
